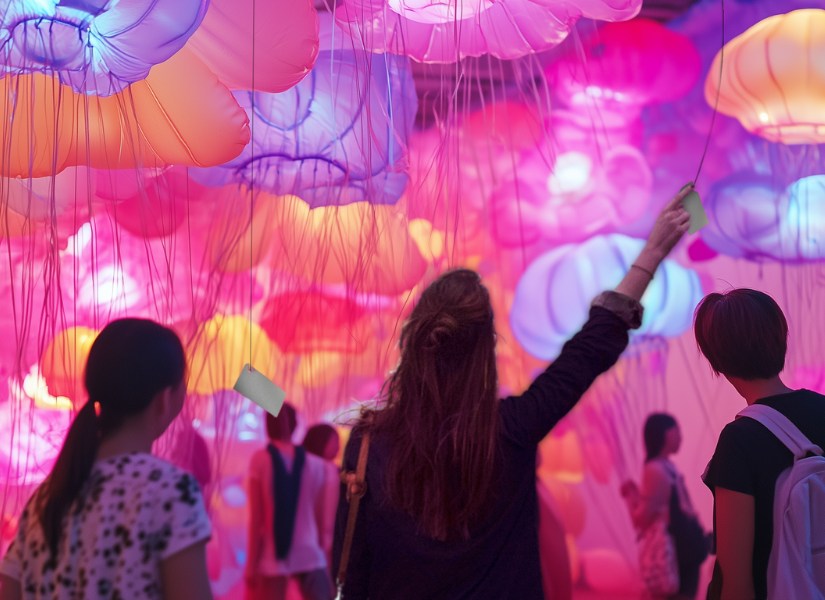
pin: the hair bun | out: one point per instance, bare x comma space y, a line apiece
442, 332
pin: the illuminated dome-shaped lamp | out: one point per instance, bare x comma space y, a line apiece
773, 78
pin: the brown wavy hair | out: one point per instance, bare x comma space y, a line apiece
440, 409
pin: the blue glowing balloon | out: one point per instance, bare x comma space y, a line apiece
553, 296
95, 46
753, 218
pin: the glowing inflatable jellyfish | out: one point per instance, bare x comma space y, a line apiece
157, 122
445, 31
772, 80
265, 46
97, 46
579, 196
627, 66
364, 247
553, 296
338, 137
751, 218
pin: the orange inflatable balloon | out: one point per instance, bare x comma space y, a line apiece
63, 363
234, 241
180, 114
366, 246
37, 125
281, 36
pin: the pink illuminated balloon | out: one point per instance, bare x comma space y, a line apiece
23, 296
626, 66
65, 195
265, 46
148, 203
455, 168
445, 31
306, 321
607, 572
579, 197
30, 445
109, 273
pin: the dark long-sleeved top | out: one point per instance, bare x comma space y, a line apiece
390, 559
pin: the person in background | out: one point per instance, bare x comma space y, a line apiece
323, 440
288, 517
450, 508
664, 496
111, 520
744, 336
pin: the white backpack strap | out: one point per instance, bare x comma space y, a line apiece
781, 427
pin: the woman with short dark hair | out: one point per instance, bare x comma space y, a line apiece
744, 335
450, 509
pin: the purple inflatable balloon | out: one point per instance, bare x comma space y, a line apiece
753, 218
95, 46
553, 296
339, 136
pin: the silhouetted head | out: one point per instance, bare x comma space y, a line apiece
282, 427
661, 435
322, 440
743, 333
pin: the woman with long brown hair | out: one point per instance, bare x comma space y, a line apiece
450, 507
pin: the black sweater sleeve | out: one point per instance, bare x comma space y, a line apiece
528, 418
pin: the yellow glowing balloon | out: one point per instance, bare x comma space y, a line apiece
63, 363
220, 349
773, 78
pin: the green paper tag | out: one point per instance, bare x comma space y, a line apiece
698, 217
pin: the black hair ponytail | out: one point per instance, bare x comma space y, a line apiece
70, 472
130, 362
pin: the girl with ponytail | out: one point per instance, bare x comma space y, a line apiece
111, 520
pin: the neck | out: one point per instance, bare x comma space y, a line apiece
283, 447
756, 389
125, 440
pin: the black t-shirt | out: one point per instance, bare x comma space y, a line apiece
500, 560
749, 459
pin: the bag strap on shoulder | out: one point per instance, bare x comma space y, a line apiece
781, 427
356, 486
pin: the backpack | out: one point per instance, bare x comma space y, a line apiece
796, 568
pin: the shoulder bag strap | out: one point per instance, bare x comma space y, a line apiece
356, 488
782, 428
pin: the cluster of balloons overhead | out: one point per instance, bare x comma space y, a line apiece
762, 171
136, 84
